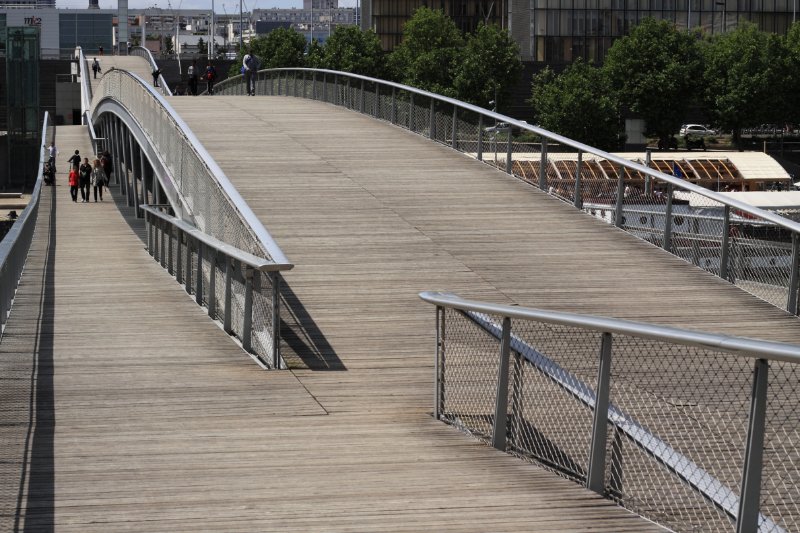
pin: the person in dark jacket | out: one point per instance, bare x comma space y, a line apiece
75, 160
85, 171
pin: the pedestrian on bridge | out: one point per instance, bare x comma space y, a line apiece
73, 184
52, 151
108, 166
75, 160
98, 179
85, 171
250, 66
156, 74
211, 77
95, 67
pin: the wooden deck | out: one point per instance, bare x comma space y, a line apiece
125, 408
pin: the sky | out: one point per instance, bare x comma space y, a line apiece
220, 6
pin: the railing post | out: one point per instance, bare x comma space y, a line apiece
187, 282
510, 148
480, 138
212, 276
749, 504
324, 86
438, 402
198, 276
393, 115
432, 129
377, 107
170, 267
247, 322
162, 235
648, 181
578, 196
543, 166
595, 479
361, 98
275, 278
501, 402
723, 256
313, 85
226, 321
696, 241
668, 219
454, 143
336, 100
411, 112
791, 304
620, 196
178, 253
149, 229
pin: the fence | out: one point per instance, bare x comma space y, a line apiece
209, 202
227, 281
15, 245
754, 248
695, 431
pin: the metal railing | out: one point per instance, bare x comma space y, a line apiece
145, 53
86, 84
208, 201
224, 279
754, 248
15, 245
695, 431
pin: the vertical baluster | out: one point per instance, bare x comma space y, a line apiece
501, 400
620, 197
247, 327
543, 166
578, 196
595, 479
275, 279
726, 230
668, 219
791, 304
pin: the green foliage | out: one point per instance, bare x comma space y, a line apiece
169, 46
578, 104
655, 71
351, 49
314, 57
489, 68
791, 79
280, 48
202, 46
430, 52
743, 78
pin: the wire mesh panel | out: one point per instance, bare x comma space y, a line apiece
780, 486
676, 411
550, 424
470, 375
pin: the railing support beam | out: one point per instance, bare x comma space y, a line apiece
749, 504
501, 401
595, 479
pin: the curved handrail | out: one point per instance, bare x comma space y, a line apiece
15, 245
499, 117
110, 87
598, 400
86, 85
140, 51
742, 346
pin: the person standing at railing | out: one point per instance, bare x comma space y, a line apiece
98, 179
156, 74
85, 171
211, 77
250, 66
192, 72
52, 152
108, 166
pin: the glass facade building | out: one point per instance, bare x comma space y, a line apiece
87, 30
564, 30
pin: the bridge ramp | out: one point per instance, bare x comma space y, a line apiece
138, 65
133, 411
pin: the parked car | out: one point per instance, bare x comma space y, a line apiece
696, 129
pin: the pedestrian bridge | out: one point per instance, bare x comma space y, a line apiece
306, 228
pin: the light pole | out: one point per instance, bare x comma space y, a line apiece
241, 27
312, 21
211, 34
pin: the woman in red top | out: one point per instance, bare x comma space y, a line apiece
73, 183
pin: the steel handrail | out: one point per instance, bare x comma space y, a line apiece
258, 263
716, 197
86, 85
10, 255
261, 233
742, 346
141, 51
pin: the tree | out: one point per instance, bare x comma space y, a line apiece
280, 48
490, 67
169, 46
791, 79
655, 71
429, 53
351, 49
578, 104
202, 46
743, 78
314, 57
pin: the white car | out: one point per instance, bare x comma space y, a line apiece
696, 129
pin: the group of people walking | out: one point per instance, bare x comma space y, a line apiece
194, 74
83, 176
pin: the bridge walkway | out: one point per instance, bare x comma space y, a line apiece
137, 65
125, 408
